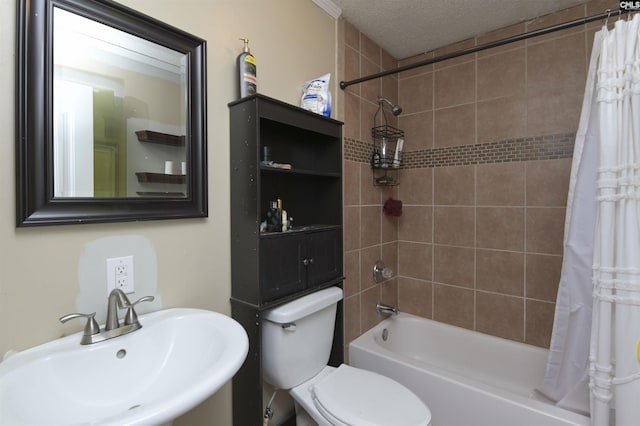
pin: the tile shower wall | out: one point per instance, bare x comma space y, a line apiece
489, 140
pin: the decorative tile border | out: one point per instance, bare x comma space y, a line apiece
522, 149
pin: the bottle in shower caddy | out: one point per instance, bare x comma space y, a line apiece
247, 72
384, 147
375, 159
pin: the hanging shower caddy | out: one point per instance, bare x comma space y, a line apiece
388, 144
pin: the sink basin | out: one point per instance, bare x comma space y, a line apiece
179, 358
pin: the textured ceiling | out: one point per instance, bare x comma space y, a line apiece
406, 28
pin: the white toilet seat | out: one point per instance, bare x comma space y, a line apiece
347, 396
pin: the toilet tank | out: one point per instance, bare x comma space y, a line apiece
297, 338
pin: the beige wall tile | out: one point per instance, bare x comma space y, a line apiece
454, 265
556, 18
545, 230
455, 85
368, 257
351, 128
369, 193
416, 94
455, 47
370, 230
539, 323
388, 62
369, 317
390, 91
416, 186
351, 63
476, 253
368, 108
543, 276
416, 224
415, 59
548, 182
500, 228
351, 228
351, 35
389, 292
453, 305
500, 184
418, 130
390, 228
557, 62
454, 186
455, 125
351, 183
554, 110
454, 226
501, 75
351, 268
500, 272
390, 256
598, 6
502, 118
370, 90
499, 315
370, 49
415, 297
414, 260
351, 308
501, 34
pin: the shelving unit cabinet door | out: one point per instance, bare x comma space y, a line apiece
281, 269
324, 251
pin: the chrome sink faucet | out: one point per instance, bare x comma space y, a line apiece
386, 309
117, 300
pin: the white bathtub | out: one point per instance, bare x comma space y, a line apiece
465, 377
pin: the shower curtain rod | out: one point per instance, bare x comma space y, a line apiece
523, 36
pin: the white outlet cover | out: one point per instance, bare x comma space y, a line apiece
120, 274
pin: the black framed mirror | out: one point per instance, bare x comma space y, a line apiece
110, 115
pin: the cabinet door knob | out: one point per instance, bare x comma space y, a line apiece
306, 262
311, 261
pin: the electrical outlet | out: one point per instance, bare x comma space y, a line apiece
120, 274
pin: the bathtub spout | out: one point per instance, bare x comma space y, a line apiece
386, 309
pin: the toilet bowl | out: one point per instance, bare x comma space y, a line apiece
296, 343
351, 396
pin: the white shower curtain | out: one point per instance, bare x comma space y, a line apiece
604, 176
566, 378
615, 336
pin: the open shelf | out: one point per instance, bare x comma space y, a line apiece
147, 177
160, 138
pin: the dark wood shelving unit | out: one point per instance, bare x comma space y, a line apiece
270, 269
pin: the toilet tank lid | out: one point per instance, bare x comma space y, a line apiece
304, 306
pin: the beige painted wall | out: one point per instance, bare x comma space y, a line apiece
292, 40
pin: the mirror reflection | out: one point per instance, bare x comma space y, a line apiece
119, 113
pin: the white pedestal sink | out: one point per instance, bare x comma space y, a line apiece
175, 361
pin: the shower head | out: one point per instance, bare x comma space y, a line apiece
395, 109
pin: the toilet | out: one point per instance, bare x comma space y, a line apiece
296, 344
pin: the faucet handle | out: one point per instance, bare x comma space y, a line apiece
131, 317
90, 328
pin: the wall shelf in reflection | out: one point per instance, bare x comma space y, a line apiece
161, 138
160, 194
147, 177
